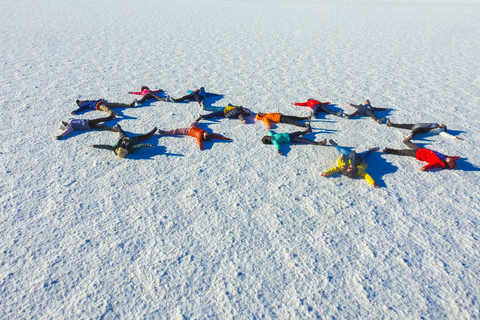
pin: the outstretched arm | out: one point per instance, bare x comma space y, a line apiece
356, 106
369, 179
79, 109
103, 146
218, 136
142, 145
301, 104
331, 171
200, 144
430, 166
136, 92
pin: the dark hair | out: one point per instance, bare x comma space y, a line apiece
78, 102
206, 136
145, 88
351, 174
267, 140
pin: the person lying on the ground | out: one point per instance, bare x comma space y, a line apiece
426, 128
101, 105
126, 145
434, 159
365, 109
280, 118
318, 107
84, 124
147, 94
295, 137
229, 112
352, 164
194, 131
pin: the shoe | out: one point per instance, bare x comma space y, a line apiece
131, 105
380, 121
322, 142
160, 132
333, 143
373, 149
339, 113
136, 103
117, 128
389, 123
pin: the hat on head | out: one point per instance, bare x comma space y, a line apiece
121, 152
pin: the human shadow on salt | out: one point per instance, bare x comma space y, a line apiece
150, 153
378, 167
464, 165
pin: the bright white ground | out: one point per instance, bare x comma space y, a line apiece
236, 231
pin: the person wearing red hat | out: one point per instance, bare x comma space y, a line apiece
434, 159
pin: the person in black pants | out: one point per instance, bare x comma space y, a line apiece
365, 109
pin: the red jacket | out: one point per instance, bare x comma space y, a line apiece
311, 103
432, 157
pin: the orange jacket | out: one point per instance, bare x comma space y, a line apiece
274, 117
197, 133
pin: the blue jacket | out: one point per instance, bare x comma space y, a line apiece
88, 104
279, 138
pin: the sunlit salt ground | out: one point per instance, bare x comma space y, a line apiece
237, 231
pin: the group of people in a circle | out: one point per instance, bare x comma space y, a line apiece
350, 164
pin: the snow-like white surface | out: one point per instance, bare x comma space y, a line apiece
236, 231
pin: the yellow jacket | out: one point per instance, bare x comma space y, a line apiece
361, 170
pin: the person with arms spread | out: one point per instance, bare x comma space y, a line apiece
194, 131
83, 124
126, 145
318, 107
352, 164
434, 159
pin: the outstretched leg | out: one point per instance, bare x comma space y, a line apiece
411, 145
146, 135
419, 131
401, 152
117, 105
218, 114
291, 120
400, 125
93, 124
371, 114
184, 98
304, 140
